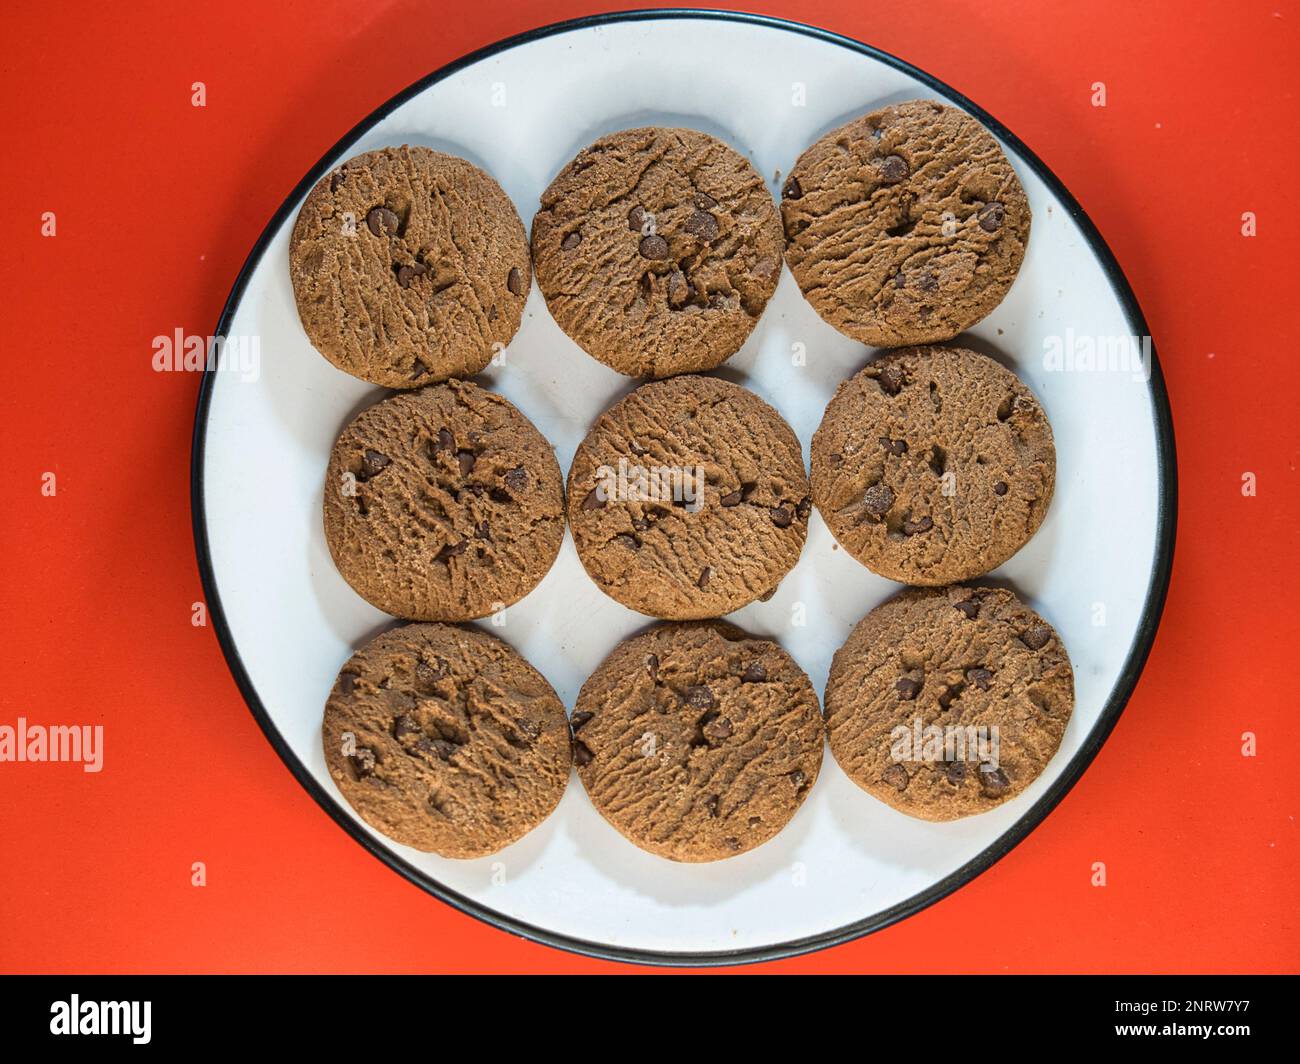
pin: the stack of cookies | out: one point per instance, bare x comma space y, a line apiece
657, 251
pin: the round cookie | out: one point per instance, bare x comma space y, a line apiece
657, 250
443, 504
688, 499
697, 741
409, 267
445, 739
933, 465
937, 684
906, 225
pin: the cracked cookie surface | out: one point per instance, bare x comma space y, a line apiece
657, 250
443, 504
445, 739
905, 226
409, 266
697, 741
939, 684
712, 509
933, 465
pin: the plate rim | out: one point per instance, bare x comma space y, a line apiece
1131, 670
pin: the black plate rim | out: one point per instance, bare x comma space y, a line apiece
1157, 587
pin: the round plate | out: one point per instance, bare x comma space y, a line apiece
846, 864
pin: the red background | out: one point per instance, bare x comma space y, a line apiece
158, 202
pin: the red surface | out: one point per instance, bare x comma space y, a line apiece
157, 204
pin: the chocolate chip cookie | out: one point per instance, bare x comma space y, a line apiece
409, 266
905, 226
445, 739
657, 250
945, 702
688, 499
443, 504
697, 741
933, 465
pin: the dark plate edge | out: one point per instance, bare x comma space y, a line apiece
1157, 588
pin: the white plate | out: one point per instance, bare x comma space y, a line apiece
846, 864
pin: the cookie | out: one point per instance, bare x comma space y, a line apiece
688, 499
445, 739
697, 741
443, 504
409, 267
657, 250
933, 465
946, 702
905, 226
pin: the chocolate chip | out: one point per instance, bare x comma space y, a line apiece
374, 463
363, 762
900, 280
679, 289
911, 528
969, 607
798, 777
516, 479
1000, 488
653, 247
652, 667
705, 573
792, 190
892, 169
582, 753
482, 531
894, 447
703, 201
781, 517
515, 281
404, 726
593, 501
980, 677
703, 226
446, 441
383, 222
453, 550
580, 718
338, 177
636, 219
699, 697
711, 805
496, 494
955, 772
443, 748
804, 507
927, 282
891, 379
754, 673
426, 675
896, 776
407, 274
571, 241
995, 783
907, 689
347, 682
732, 499
1036, 638
990, 217
627, 541
466, 460
878, 499
718, 729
